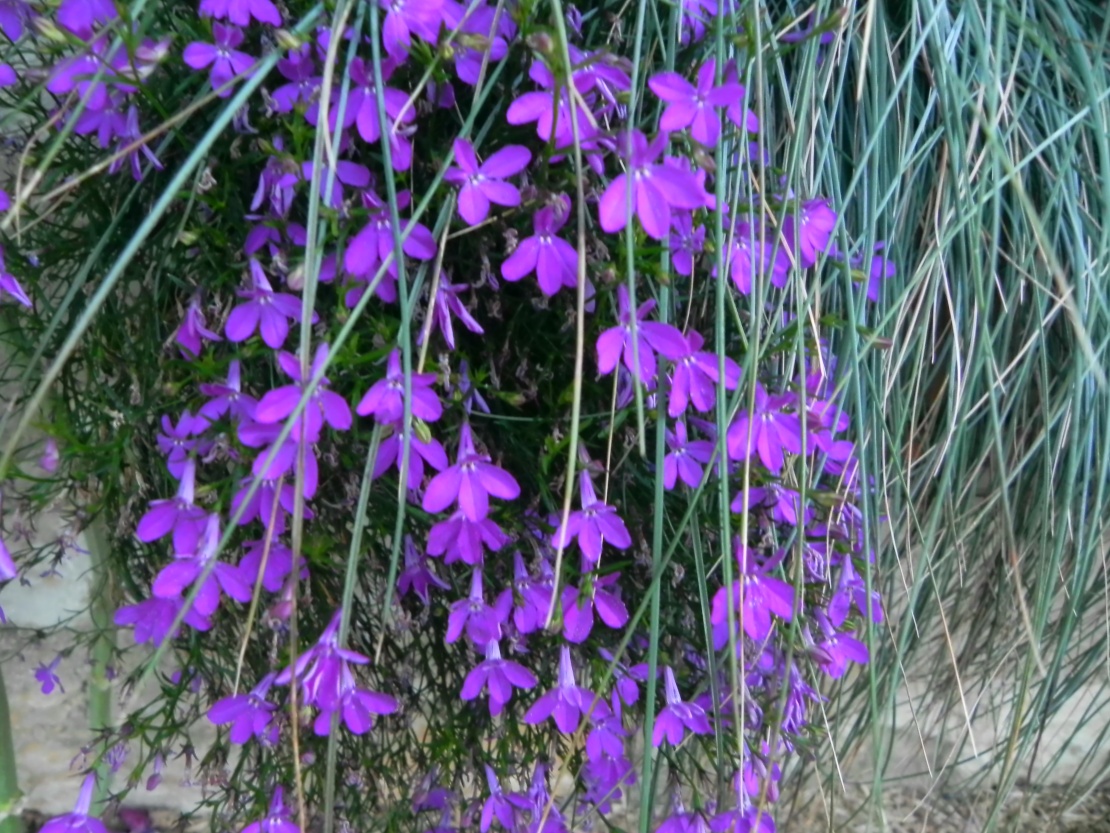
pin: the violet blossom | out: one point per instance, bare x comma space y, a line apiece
178, 515
481, 622
460, 539
499, 676
695, 377
277, 819
768, 430
593, 524
685, 458
48, 677
566, 702
265, 310
470, 481
79, 821
191, 331
384, 401
694, 107
617, 343
324, 406
417, 577
225, 60
677, 717
251, 715
553, 259
483, 183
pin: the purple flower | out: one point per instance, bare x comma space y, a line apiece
320, 669
695, 377
420, 452
566, 702
460, 539
8, 569
694, 107
265, 310
172, 579
651, 336
481, 184
374, 244
79, 73
79, 821
447, 304
226, 61
189, 334
405, 18
531, 596
345, 172
178, 515
274, 565
240, 12
79, 16
46, 675
10, 286
277, 820
482, 622
470, 481
226, 398
578, 608
324, 406
837, 649
687, 243
685, 459
299, 70
553, 259
152, 619
416, 577
176, 442
50, 458
747, 255
772, 431
498, 805
880, 269
593, 524
250, 715
676, 717
755, 597
385, 399
358, 707
499, 676
656, 190
362, 104
810, 231
13, 15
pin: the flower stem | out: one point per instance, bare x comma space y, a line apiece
103, 650
9, 781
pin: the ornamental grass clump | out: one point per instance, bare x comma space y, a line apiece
477, 455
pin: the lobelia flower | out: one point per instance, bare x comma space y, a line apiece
808, 233
261, 505
685, 458
694, 107
79, 821
578, 608
421, 451
324, 406
499, 676
772, 431
416, 577
358, 707
553, 259
227, 398
687, 242
50, 457
80, 16
362, 108
265, 310
880, 269
277, 820
9, 285
8, 569
481, 622
13, 16
617, 343
755, 597
482, 184
477, 19
185, 569
345, 172
131, 136
460, 539
191, 331
747, 256
278, 564
152, 618
250, 715
837, 649
445, 304
48, 678
240, 12
695, 376
225, 60
385, 399
373, 245
676, 717
178, 515
299, 70
497, 805
405, 18
531, 596
567, 701
552, 117
656, 190
176, 441
470, 481
319, 669
593, 524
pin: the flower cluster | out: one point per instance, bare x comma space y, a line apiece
523, 605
